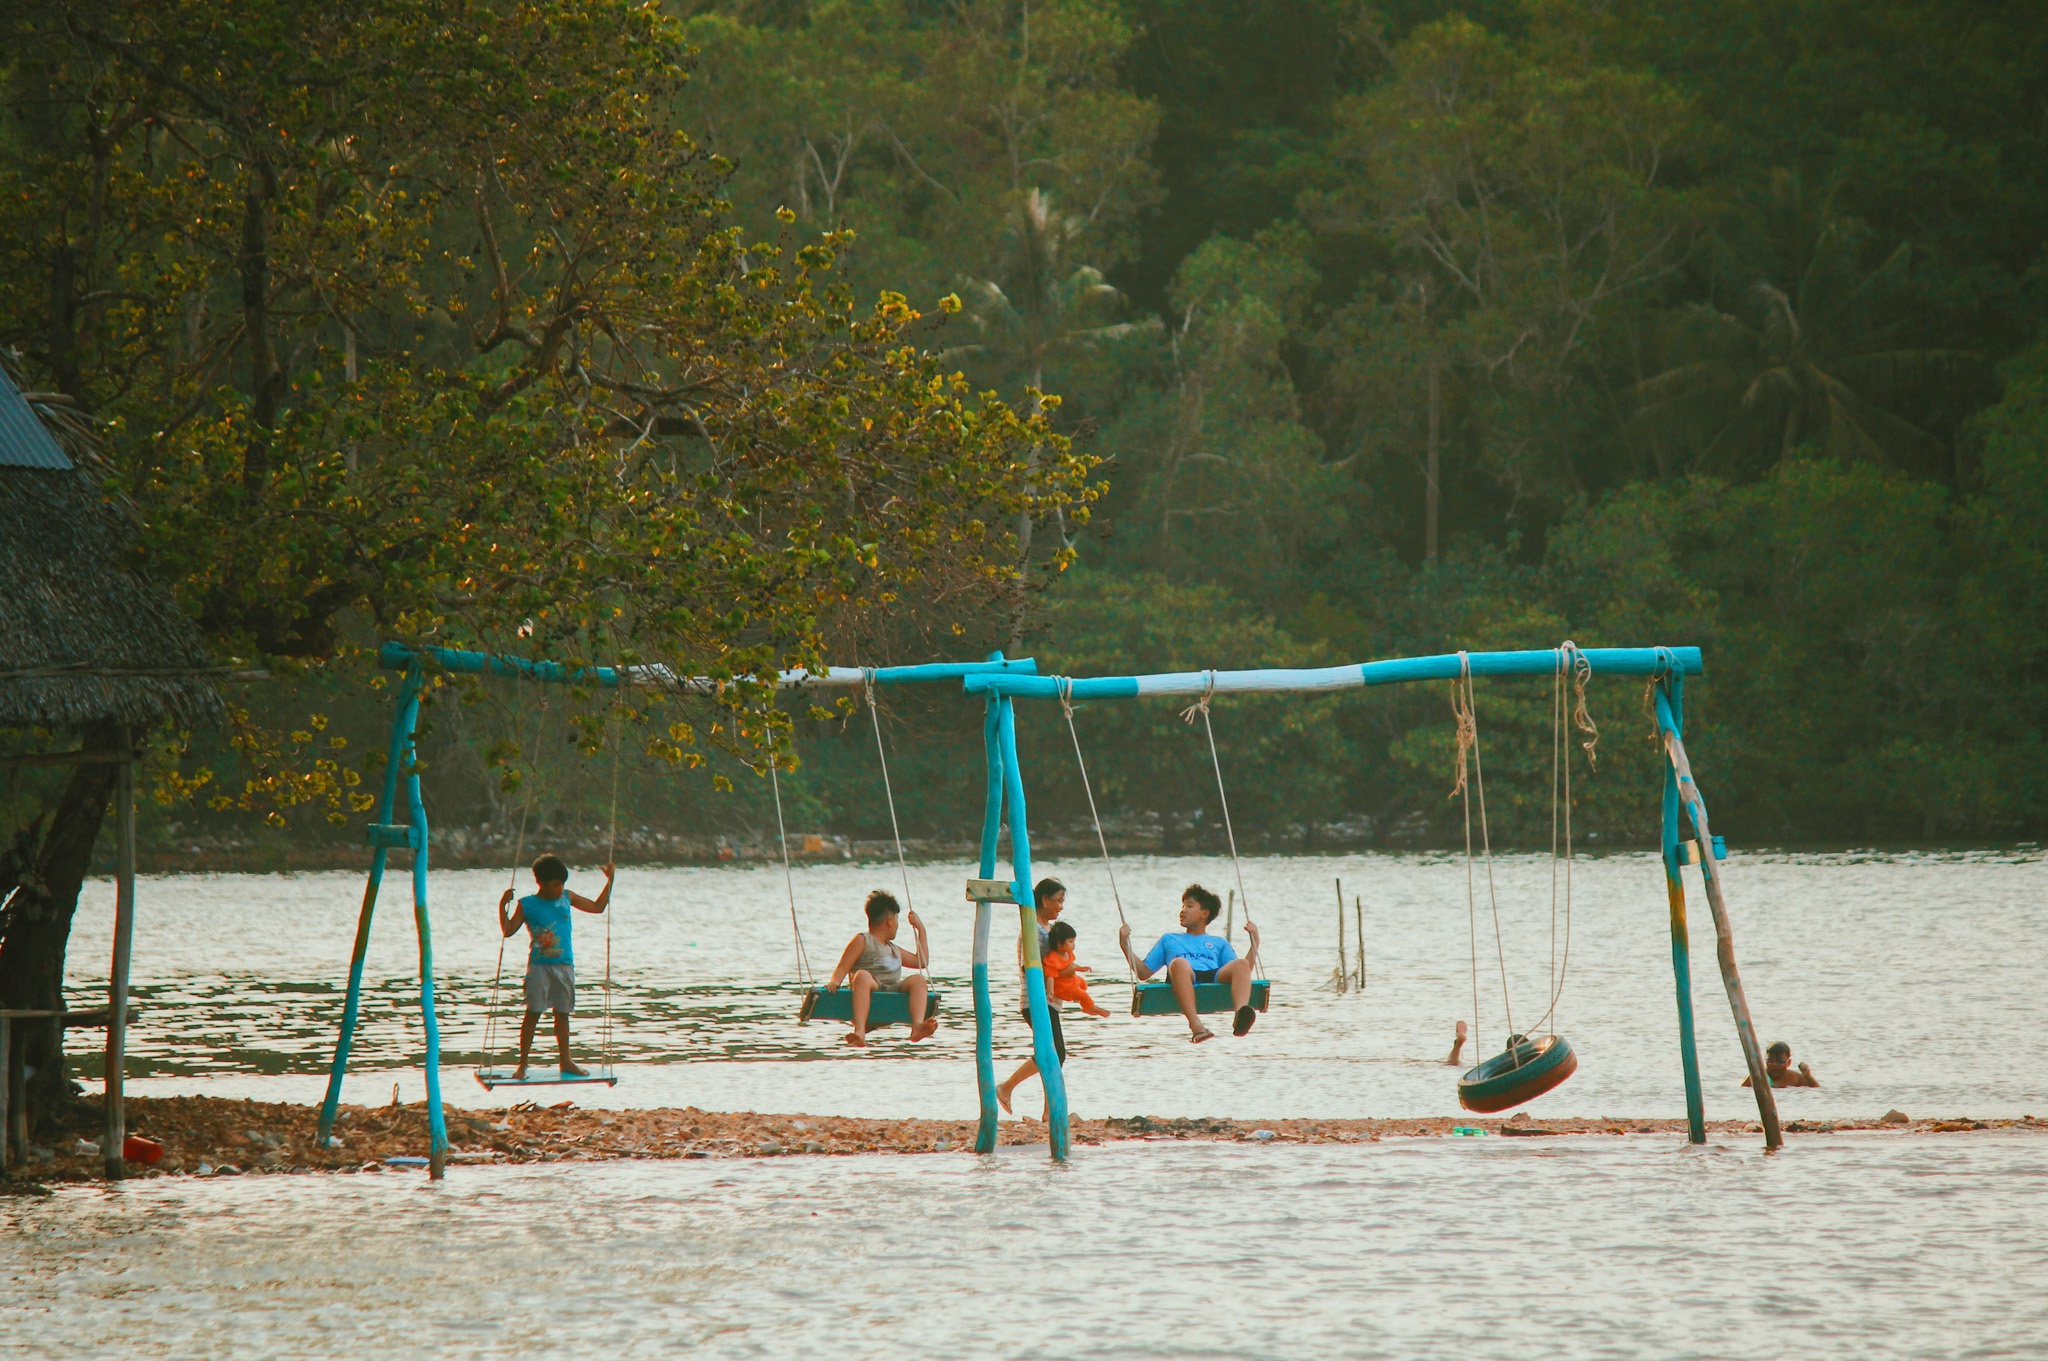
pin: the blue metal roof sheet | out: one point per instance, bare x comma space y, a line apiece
24, 440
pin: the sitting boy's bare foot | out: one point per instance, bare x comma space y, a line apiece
571, 1070
924, 1029
856, 1039
519, 1073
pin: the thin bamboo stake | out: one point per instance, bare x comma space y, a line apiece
1358, 907
1343, 951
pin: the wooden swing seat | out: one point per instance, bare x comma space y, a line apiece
1156, 999
884, 1008
1526, 1071
492, 1078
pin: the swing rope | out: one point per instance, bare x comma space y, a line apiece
1066, 694
518, 854
1466, 715
611, 856
1568, 710
889, 794
803, 960
1201, 706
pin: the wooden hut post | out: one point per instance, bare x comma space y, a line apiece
117, 975
984, 917
1731, 978
1681, 944
1034, 971
1358, 912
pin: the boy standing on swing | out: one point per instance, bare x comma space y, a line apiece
550, 962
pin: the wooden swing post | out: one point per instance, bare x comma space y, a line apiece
984, 918
1042, 1047
1724, 947
1681, 946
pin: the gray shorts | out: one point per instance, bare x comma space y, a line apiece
551, 987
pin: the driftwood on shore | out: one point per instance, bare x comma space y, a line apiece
221, 1136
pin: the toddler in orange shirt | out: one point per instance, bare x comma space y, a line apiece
1062, 975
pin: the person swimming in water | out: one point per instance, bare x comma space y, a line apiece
1778, 1069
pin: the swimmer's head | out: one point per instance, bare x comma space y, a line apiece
1780, 1053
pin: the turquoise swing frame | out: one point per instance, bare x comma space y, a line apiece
386, 834
1665, 667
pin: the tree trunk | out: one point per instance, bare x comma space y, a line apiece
38, 920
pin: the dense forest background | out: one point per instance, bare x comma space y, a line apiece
1408, 327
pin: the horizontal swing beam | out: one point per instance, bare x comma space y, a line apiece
1605, 661
398, 657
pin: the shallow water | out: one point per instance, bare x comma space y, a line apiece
1847, 1245
1908, 981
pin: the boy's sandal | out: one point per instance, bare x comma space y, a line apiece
1203, 1034
1243, 1020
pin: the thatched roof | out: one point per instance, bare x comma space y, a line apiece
83, 638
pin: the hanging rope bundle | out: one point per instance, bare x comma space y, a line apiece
1201, 706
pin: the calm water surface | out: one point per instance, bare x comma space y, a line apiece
1908, 981
1845, 1246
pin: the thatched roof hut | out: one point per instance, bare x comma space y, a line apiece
83, 637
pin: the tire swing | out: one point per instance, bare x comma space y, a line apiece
1156, 999
1529, 1065
884, 1008
492, 1078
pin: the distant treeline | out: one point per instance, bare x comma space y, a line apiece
1417, 326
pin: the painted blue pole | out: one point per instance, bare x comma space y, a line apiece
1042, 1047
984, 916
437, 1124
1681, 945
401, 738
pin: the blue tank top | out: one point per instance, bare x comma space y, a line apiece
547, 929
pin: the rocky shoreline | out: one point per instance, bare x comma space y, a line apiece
218, 1136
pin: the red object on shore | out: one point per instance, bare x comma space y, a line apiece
137, 1149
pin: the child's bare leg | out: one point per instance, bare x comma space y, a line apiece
526, 1029
863, 989
1086, 1001
569, 1069
1028, 1068
918, 991
1180, 975
1457, 1046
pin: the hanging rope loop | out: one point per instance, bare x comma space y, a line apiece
1064, 687
803, 960
1201, 708
1582, 718
867, 676
1466, 714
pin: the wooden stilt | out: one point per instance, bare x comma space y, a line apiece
8, 1150
1731, 978
117, 976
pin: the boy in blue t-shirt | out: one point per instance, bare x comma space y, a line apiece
550, 962
1191, 955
